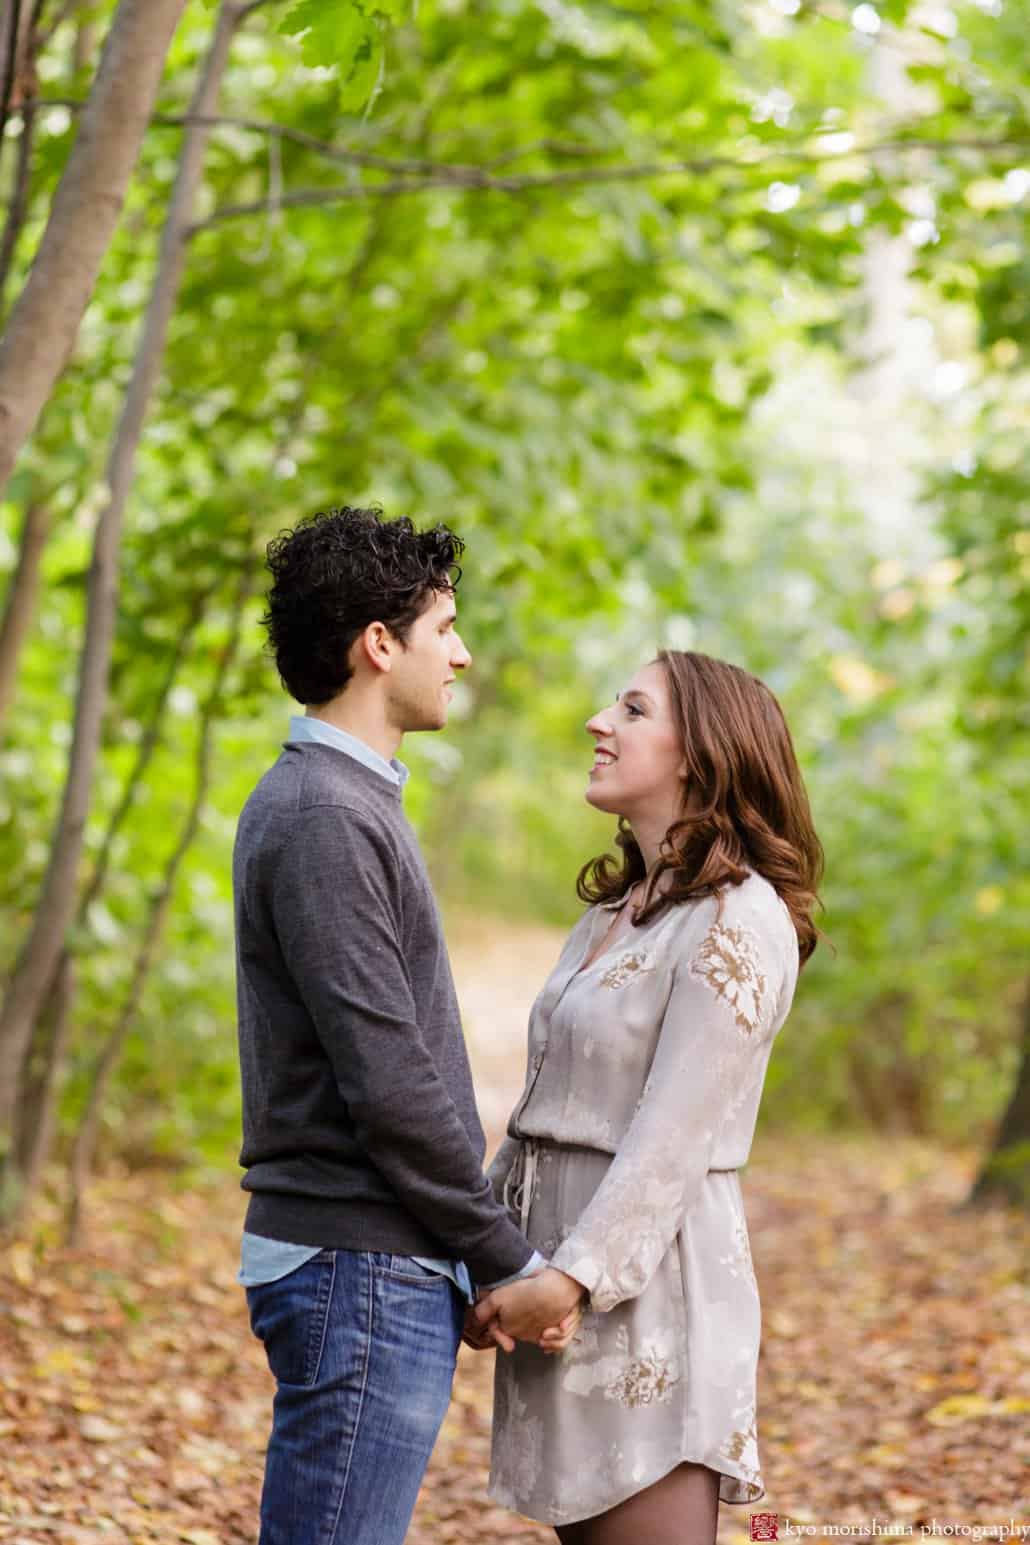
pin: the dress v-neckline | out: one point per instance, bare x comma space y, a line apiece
588, 965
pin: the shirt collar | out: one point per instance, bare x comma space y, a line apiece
304, 727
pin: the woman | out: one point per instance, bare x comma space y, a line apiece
647, 1054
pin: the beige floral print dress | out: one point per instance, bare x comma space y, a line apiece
644, 1078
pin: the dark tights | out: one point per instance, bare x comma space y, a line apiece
680, 1509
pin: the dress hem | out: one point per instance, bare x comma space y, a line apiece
495, 1495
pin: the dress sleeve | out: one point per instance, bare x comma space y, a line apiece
711, 1048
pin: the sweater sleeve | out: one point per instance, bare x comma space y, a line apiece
712, 1045
335, 904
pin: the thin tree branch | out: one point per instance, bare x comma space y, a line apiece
481, 181
550, 147
479, 174
20, 603
12, 40
18, 206
329, 152
28, 51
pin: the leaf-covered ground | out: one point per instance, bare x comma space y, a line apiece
894, 1380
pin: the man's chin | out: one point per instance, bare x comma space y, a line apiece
425, 721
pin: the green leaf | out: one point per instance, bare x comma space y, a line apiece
361, 83
332, 32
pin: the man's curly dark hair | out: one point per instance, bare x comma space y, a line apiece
336, 572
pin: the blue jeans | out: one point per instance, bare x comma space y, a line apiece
362, 1345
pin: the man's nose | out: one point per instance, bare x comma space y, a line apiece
461, 657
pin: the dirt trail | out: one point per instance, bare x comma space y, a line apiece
894, 1383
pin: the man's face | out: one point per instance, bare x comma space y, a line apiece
419, 684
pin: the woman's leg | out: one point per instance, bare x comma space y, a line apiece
680, 1509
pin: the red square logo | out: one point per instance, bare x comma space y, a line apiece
764, 1526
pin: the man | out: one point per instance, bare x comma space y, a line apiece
369, 1215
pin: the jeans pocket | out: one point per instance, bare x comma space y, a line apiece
290, 1317
408, 1269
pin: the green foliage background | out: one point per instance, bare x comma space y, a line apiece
644, 400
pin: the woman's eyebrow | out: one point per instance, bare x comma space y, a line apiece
633, 692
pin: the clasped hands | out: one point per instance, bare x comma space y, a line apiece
545, 1308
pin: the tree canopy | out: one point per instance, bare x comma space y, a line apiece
704, 325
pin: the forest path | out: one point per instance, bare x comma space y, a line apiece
894, 1383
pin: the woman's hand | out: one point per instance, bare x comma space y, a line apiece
557, 1337
549, 1301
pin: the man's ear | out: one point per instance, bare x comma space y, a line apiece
376, 645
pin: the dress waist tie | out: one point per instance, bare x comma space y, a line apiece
521, 1179
518, 1187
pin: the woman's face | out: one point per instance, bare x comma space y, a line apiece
639, 766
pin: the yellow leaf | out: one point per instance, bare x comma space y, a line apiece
959, 1408
58, 1360
20, 1258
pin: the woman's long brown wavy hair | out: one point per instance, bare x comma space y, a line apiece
748, 805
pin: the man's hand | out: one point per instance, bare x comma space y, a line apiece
482, 1337
550, 1301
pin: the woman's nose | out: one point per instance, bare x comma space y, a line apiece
599, 724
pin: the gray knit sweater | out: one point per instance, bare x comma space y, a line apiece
360, 1128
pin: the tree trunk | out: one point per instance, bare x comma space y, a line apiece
20, 606
86, 1138
1005, 1175
45, 321
42, 949
37, 1106
48, 1046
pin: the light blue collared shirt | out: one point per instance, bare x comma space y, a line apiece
266, 1260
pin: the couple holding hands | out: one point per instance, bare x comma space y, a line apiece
604, 1254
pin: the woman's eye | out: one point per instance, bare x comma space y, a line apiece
633, 709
